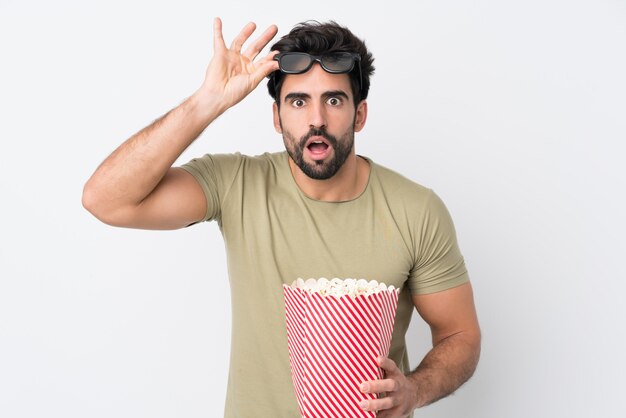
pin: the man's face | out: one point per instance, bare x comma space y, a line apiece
318, 119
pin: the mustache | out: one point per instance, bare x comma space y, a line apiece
318, 132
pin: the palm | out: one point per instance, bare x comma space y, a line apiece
233, 74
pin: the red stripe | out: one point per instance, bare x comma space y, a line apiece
387, 329
294, 305
384, 325
371, 304
338, 353
327, 382
392, 302
350, 357
364, 316
349, 314
333, 343
295, 335
343, 351
294, 332
317, 389
355, 347
327, 347
294, 341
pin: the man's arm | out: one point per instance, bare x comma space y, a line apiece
452, 318
136, 185
456, 343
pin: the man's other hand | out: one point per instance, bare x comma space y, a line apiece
400, 392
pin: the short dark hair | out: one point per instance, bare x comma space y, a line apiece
317, 38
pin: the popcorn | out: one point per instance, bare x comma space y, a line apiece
335, 331
338, 287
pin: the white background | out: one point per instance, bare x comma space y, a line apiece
514, 112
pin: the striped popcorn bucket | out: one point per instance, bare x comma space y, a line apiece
333, 345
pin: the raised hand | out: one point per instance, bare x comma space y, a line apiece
231, 74
136, 186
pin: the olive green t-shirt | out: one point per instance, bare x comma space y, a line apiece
396, 232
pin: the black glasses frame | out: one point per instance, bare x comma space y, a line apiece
320, 58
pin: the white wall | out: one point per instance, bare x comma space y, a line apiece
514, 112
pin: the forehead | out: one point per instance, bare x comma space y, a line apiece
315, 83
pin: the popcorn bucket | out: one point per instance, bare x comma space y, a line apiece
335, 331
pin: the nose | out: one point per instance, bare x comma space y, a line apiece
317, 116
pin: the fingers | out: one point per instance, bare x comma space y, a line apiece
242, 37
388, 365
265, 67
394, 403
385, 385
253, 50
380, 386
377, 404
268, 63
218, 38
263, 71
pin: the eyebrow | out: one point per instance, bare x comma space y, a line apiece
334, 93
325, 95
296, 95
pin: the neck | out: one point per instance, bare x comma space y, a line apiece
347, 184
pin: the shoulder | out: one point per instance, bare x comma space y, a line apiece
237, 161
396, 186
267, 160
265, 168
406, 198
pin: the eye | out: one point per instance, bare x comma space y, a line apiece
298, 103
334, 101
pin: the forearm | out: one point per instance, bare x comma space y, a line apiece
136, 167
449, 364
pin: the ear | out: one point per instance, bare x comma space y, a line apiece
277, 126
361, 116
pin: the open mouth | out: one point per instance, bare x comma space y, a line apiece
317, 147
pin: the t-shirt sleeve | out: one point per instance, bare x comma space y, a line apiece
439, 264
215, 174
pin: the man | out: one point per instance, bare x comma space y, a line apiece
317, 210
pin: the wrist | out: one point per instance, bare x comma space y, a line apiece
206, 105
418, 389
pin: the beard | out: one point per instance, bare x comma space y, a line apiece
320, 169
